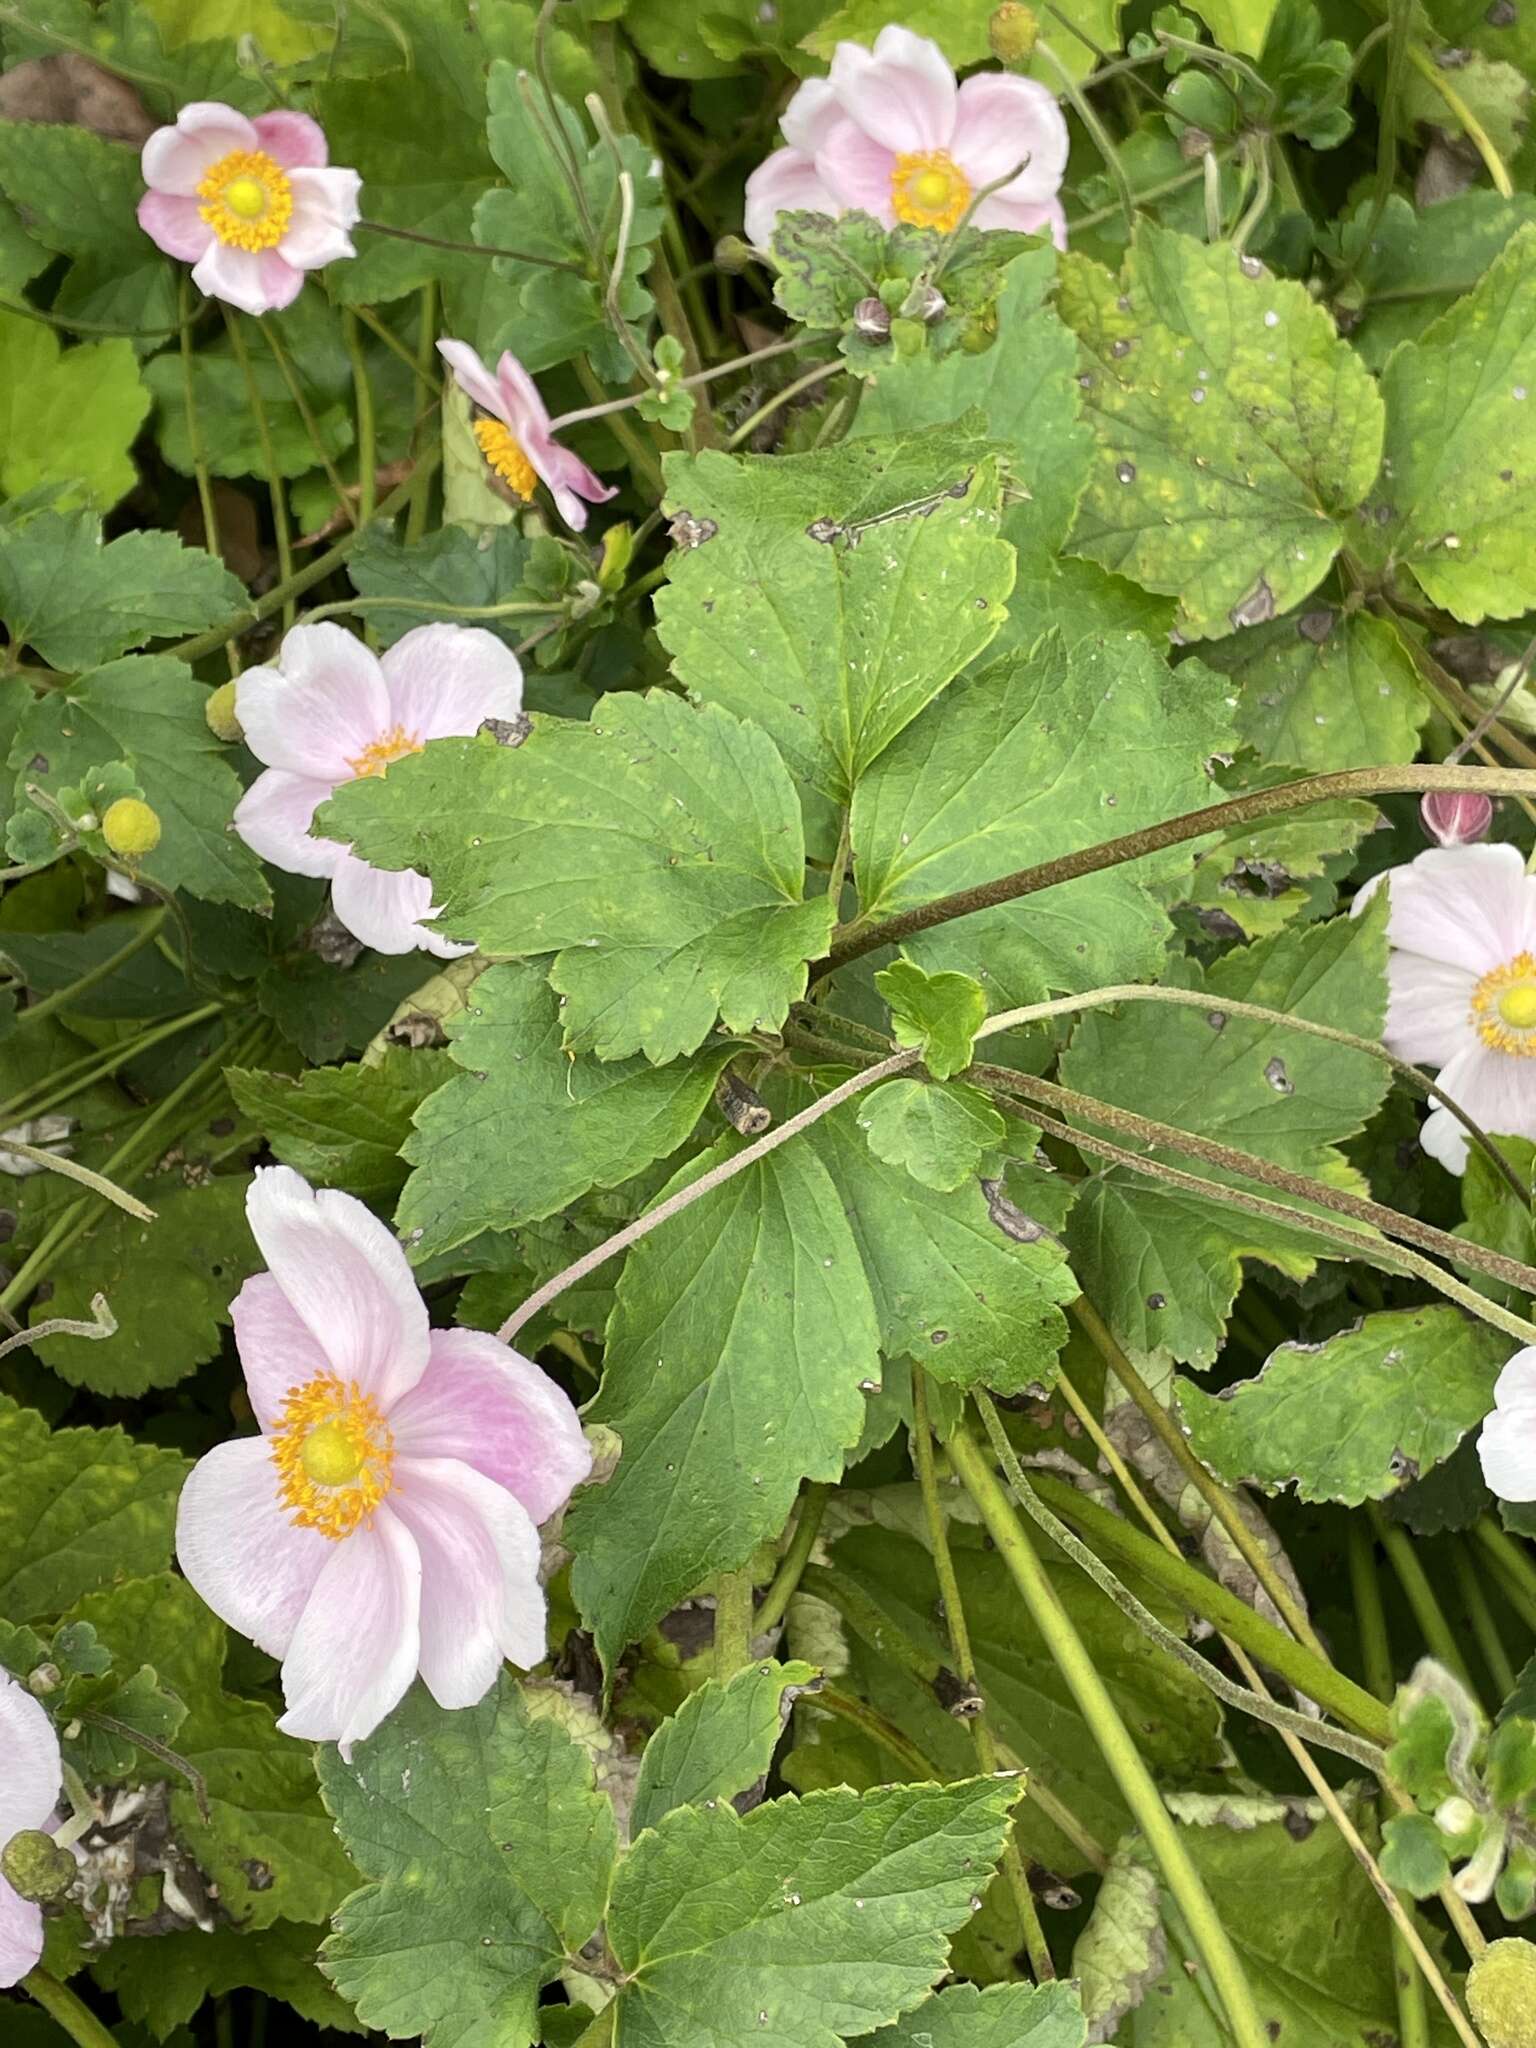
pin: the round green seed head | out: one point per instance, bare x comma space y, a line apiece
1501, 1994
131, 828
35, 1867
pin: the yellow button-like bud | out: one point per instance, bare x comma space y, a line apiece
130, 828
220, 713
1012, 32
1501, 1994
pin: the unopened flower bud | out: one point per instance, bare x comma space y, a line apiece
1194, 143
1455, 1816
1456, 817
733, 255
872, 320
130, 828
925, 302
35, 1867
46, 1678
1012, 32
1501, 1993
220, 714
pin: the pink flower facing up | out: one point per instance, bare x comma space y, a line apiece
385, 1521
888, 132
1507, 1446
30, 1772
250, 204
1462, 986
515, 437
330, 711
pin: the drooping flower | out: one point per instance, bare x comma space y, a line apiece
250, 204
514, 435
888, 132
1462, 986
30, 1772
1456, 817
329, 711
385, 1521
1507, 1446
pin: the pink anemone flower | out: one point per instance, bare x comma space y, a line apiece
1461, 980
329, 711
30, 1774
515, 436
250, 204
888, 132
385, 1522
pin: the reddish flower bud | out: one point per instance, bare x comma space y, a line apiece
1456, 817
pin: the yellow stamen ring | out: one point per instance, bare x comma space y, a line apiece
929, 190
334, 1455
1504, 1007
391, 746
503, 451
247, 200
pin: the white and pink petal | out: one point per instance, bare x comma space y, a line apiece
176, 159
21, 1936
902, 92
472, 377
345, 1277
446, 679
291, 139
274, 817
319, 708
786, 182
481, 1600
243, 1554
487, 1405
175, 225
278, 1351
357, 1645
385, 908
30, 1769
1005, 123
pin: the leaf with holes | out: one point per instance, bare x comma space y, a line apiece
1236, 431
835, 594
1357, 1417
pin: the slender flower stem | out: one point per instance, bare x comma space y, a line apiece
1512, 1562
1014, 1873
377, 227
302, 579
871, 1722
66, 998
277, 490
750, 425
1409, 1952
633, 398
94, 1066
514, 608
367, 423
863, 938
290, 376
68, 2012
428, 393
797, 1555
1489, 1642
195, 445
1211, 1491
1475, 132
1114, 1742
641, 455
1438, 1635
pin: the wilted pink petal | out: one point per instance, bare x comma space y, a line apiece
378, 1527
251, 205
515, 437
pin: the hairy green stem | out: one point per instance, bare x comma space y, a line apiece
1438, 1635
66, 998
733, 1622
1512, 1562
1015, 1876
367, 421
1472, 127
1113, 1740
277, 490
864, 938
195, 443
68, 2011
1489, 1642
94, 1066
302, 579
797, 1555
1209, 1488
428, 393
290, 377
